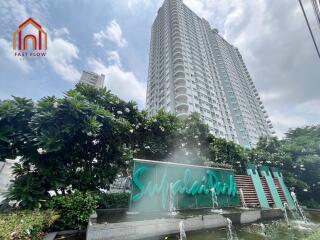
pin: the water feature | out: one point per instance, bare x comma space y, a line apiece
285, 214
263, 229
299, 208
183, 235
243, 202
214, 200
231, 234
293, 214
271, 230
172, 208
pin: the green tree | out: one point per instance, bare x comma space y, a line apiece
78, 142
155, 137
303, 146
298, 157
191, 144
15, 115
227, 152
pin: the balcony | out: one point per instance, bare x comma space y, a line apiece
175, 30
178, 62
177, 49
181, 98
175, 21
175, 24
176, 38
180, 89
182, 107
180, 81
178, 68
176, 44
177, 55
179, 74
182, 114
175, 34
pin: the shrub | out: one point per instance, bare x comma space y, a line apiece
114, 200
74, 210
26, 224
314, 236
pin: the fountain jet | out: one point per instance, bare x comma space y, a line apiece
172, 208
243, 202
231, 234
294, 197
285, 205
183, 235
214, 200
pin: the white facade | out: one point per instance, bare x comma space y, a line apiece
92, 79
193, 69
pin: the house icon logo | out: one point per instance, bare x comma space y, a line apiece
23, 41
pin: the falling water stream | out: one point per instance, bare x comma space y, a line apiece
299, 208
231, 234
215, 203
172, 208
285, 205
183, 235
263, 229
243, 202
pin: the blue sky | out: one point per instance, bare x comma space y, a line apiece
112, 37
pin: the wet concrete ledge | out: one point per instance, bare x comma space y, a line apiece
160, 227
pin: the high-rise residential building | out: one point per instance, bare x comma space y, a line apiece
92, 79
194, 69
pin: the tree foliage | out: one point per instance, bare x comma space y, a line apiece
226, 152
77, 142
298, 156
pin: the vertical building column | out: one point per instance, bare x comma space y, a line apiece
276, 173
253, 173
265, 172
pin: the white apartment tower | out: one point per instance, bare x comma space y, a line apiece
92, 79
193, 69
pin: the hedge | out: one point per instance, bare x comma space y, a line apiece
114, 200
74, 210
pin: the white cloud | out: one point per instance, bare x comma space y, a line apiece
14, 12
282, 121
303, 114
121, 83
138, 3
8, 52
113, 33
113, 58
311, 107
270, 96
61, 32
60, 56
